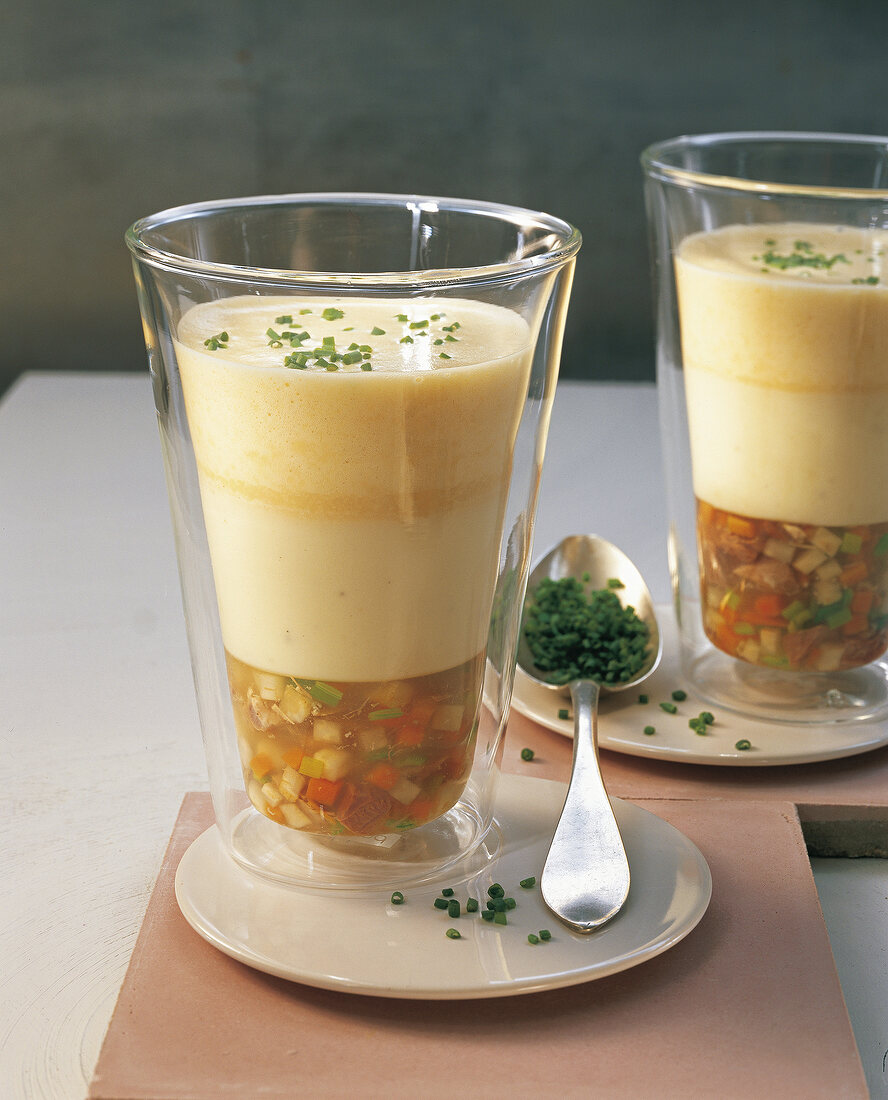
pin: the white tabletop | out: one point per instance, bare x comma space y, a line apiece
99, 737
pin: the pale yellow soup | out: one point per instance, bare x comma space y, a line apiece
786, 370
354, 516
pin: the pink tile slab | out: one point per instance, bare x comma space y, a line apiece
748, 1005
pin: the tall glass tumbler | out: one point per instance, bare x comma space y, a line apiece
771, 281
353, 394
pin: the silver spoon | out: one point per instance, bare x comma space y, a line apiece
585, 879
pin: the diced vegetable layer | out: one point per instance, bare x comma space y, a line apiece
793, 596
355, 758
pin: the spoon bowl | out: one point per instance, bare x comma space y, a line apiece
586, 876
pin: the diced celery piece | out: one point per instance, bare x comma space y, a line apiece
851, 543
793, 609
839, 618
312, 767
774, 662
826, 540
881, 547
744, 628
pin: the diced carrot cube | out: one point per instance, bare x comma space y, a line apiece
293, 757
862, 601
261, 764
383, 775
854, 574
421, 810
857, 624
323, 791
770, 605
410, 735
741, 526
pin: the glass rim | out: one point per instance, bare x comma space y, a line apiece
569, 243
655, 165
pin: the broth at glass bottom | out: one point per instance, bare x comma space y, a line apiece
793, 596
357, 759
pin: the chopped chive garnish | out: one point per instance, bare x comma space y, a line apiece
472, 905
397, 898
444, 355
382, 714
452, 934
401, 317
406, 340
495, 891
533, 938
615, 582
303, 312
453, 908
332, 314
487, 914
707, 716
441, 903
452, 339
670, 708
447, 892
351, 328
642, 698
742, 745
499, 918
377, 331
528, 883
545, 934
564, 714
284, 319
437, 343
436, 317
220, 340
329, 341
679, 696
419, 324
352, 357
527, 754
317, 689
366, 366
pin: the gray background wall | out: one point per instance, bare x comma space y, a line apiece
111, 110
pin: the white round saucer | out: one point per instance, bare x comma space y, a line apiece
622, 720
360, 942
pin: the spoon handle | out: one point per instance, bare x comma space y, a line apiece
585, 879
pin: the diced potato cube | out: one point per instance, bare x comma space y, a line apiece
371, 738
294, 816
255, 794
769, 637
271, 794
830, 568
392, 693
827, 541
405, 791
779, 550
270, 686
830, 656
797, 534
295, 704
828, 591
448, 717
336, 762
714, 596
806, 561
292, 784
748, 650
328, 731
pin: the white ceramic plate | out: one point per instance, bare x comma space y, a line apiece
362, 943
622, 720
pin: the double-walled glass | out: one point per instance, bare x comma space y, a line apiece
353, 394
771, 280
